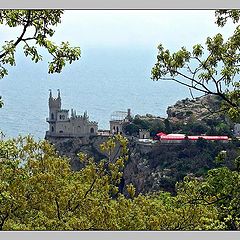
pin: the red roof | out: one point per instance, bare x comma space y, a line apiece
164, 136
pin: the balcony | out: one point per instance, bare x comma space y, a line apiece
50, 120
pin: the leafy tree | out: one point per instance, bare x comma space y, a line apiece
39, 191
210, 70
168, 126
37, 29
220, 189
131, 129
141, 123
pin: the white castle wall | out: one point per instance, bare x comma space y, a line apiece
60, 124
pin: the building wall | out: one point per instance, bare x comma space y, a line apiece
143, 134
116, 126
60, 124
62, 115
76, 127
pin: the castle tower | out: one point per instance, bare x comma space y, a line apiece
54, 105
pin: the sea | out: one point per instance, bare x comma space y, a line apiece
103, 81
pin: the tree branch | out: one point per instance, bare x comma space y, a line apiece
22, 34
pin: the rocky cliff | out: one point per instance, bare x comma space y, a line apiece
152, 167
201, 108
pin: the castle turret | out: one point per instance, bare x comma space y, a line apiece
129, 114
54, 105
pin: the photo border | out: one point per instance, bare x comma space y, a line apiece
120, 4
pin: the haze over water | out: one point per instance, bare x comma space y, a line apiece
101, 83
119, 48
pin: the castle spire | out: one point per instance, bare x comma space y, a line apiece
59, 93
50, 93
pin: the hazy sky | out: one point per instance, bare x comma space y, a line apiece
134, 28
140, 28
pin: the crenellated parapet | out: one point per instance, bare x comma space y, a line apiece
54, 102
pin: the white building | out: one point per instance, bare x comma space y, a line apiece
61, 125
118, 120
144, 134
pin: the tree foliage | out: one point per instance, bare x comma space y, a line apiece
37, 29
211, 69
39, 191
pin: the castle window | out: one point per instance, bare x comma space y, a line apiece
92, 130
52, 129
63, 117
60, 116
52, 116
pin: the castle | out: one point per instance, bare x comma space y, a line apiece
61, 125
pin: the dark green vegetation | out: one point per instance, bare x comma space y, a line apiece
192, 117
169, 163
191, 127
39, 191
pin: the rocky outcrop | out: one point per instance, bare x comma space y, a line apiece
196, 109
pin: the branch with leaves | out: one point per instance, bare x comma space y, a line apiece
211, 69
37, 28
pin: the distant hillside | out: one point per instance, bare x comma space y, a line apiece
190, 116
202, 108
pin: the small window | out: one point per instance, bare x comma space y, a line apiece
52, 116
60, 116
92, 130
52, 129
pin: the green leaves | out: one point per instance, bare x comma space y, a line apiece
39, 191
43, 22
9, 49
169, 64
32, 52
212, 69
62, 54
223, 15
197, 50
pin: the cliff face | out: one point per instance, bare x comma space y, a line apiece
152, 167
70, 147
138, 170
200, 109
